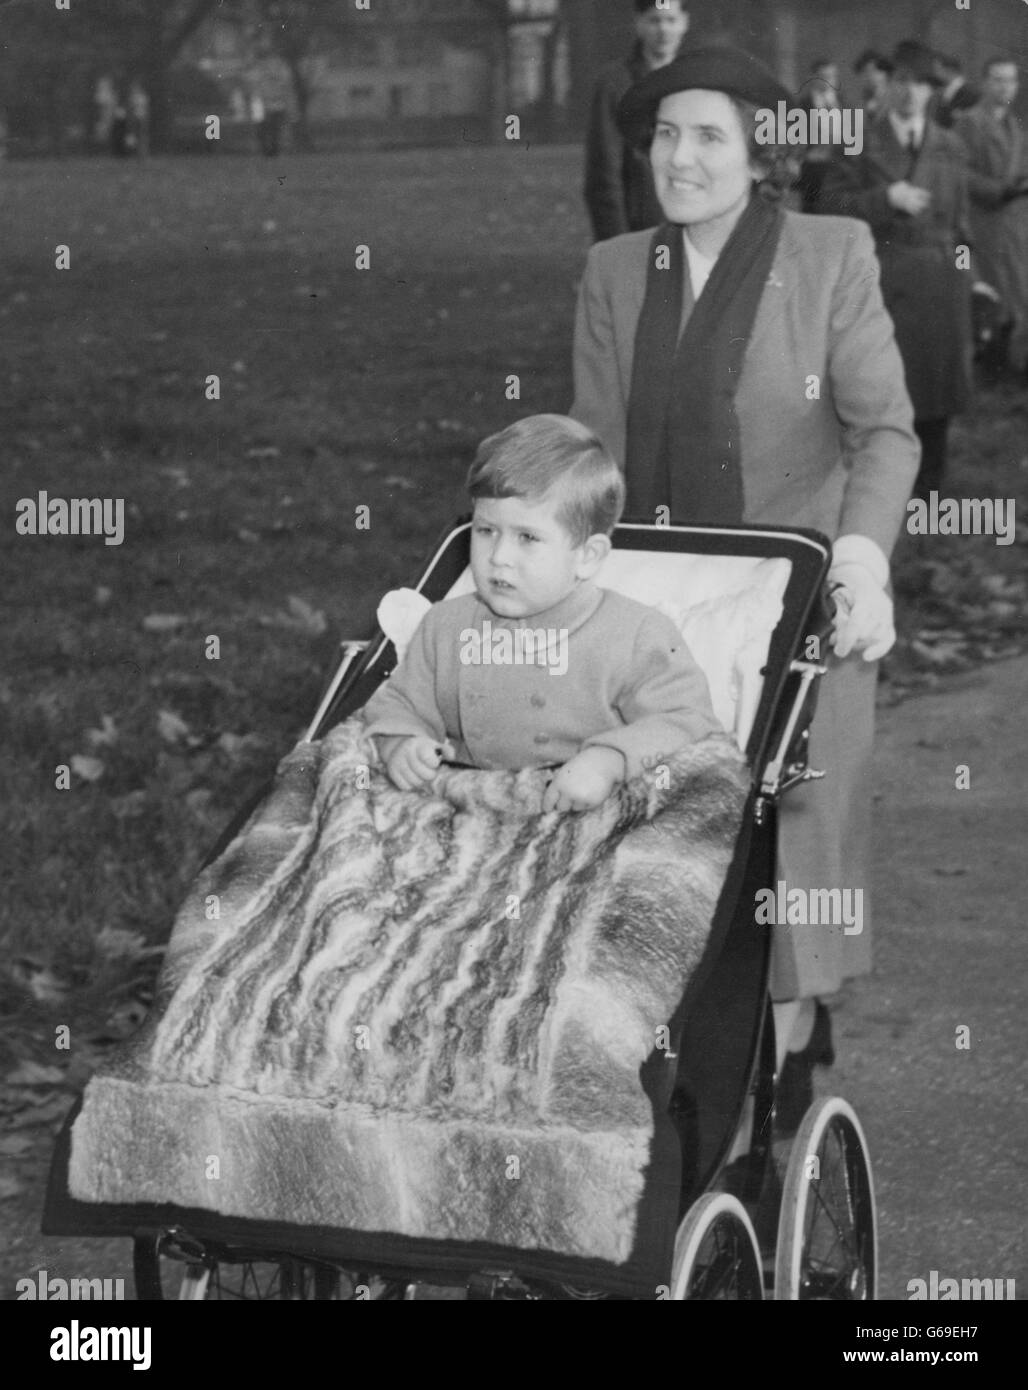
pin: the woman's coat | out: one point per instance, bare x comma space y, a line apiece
827, 440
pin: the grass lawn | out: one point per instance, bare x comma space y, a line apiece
339, 388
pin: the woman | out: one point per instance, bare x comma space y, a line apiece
782, 402
910, 184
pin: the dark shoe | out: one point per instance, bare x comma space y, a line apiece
794, 1093
820, 1048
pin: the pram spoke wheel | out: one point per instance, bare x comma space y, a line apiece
166, 1271
827, 1226
716, 1252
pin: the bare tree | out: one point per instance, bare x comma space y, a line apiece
296, 30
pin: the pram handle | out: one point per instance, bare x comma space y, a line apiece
778, 777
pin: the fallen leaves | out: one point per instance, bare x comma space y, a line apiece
10, 1186
171, 727
104, 737
164, 622
89, 769
299, 616
37, 979
29, 1073
115, 943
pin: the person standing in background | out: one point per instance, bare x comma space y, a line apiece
139, 119
873, 69
820, 92
619, 188
997, 151
910, 184
956, 94
105, 103
823, 84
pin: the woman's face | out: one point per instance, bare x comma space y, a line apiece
701, 163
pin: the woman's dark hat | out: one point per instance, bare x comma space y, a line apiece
915, 58
716, 68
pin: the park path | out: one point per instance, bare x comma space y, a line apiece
946, 1126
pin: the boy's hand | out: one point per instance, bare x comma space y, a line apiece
585, 781
412, 762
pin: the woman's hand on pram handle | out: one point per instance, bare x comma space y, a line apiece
863, 609
411, 761
585, 781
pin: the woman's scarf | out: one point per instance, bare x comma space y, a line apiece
683, 432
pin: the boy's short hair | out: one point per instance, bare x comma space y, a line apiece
545, 454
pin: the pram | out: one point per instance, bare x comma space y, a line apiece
730, 1211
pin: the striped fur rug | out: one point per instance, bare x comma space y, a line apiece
420, 1013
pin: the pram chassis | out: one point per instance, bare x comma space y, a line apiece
722, 1052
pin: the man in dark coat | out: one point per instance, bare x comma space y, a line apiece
955, 93
910, 183
873, 69
997, 150
618, 183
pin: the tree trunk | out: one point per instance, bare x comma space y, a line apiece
499, 62
162, 126
302, 92
549, 114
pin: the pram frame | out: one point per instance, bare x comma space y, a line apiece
728, 1064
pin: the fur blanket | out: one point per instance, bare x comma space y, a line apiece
420, 1013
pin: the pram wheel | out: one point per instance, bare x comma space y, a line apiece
827, 1228
716, 1252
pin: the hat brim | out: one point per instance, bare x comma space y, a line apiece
715, 69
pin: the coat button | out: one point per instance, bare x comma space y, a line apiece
538, 701
541, 738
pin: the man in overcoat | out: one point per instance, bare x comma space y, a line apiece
619, 188
997, 151
910, 185
956, 93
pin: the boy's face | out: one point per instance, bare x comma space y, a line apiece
522, 558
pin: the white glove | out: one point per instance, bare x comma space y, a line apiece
863, 618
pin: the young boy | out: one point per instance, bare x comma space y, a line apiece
540, 666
